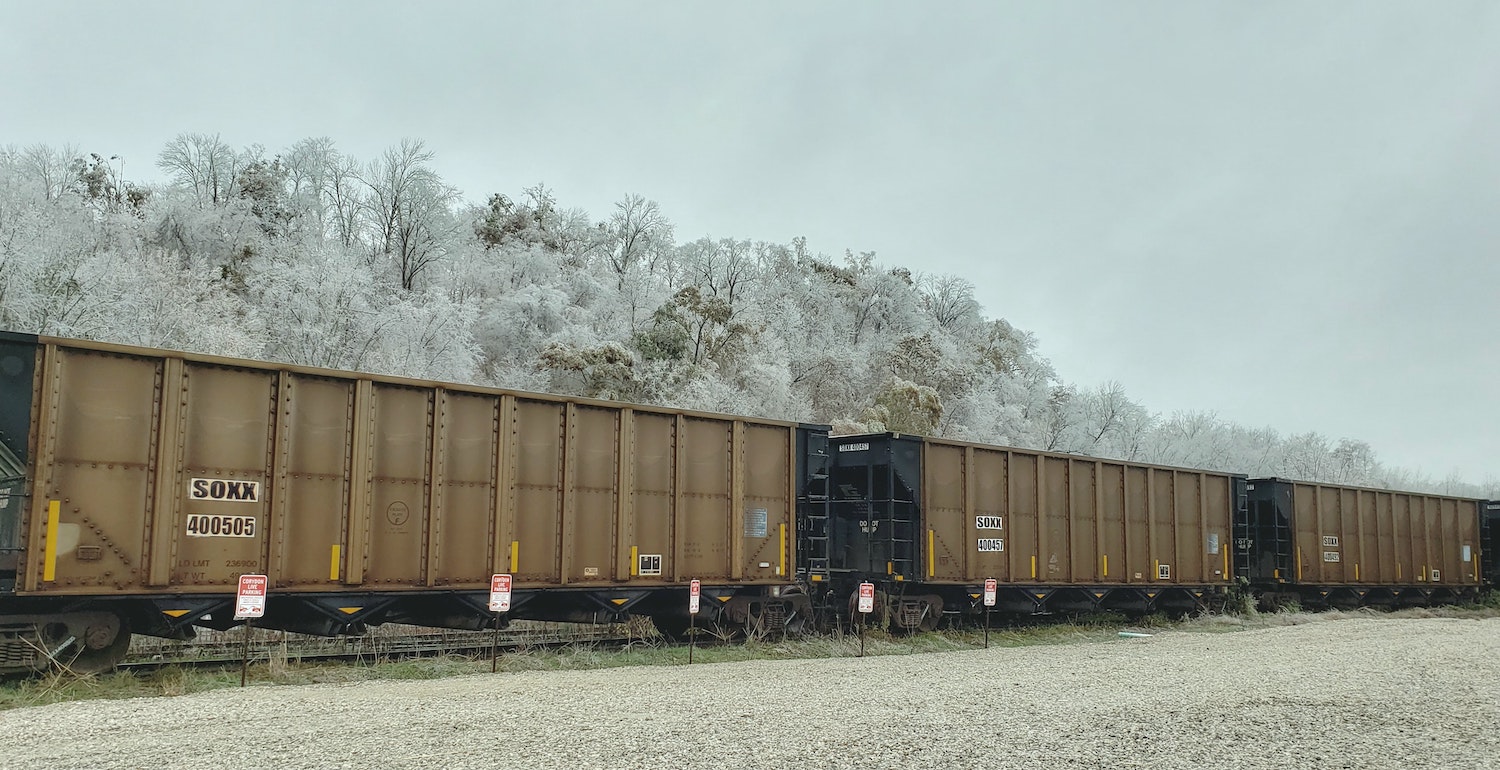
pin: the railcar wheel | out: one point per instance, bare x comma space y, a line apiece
671, 627
87, 642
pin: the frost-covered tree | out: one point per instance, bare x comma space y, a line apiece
409, 210
202, 163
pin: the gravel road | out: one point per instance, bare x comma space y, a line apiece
1336, 693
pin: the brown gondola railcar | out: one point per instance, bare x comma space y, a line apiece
929, 520
1325, 545
139, 484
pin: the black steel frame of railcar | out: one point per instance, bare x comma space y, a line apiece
864, 526
1489, 544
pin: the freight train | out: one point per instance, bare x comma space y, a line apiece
137, 485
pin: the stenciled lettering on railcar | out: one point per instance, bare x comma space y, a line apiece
1330, 556
1330, 541
862, 446
210, 525
989, 522
991, 545
650, 564
227, 490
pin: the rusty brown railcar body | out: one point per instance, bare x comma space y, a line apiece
166, 476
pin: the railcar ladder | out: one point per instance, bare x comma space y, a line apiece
813, 515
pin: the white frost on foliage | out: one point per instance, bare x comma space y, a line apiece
313, 257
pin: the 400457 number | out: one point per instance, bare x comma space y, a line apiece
209, 525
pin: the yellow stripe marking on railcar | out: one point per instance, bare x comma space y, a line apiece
1156, 569
1226, 563
635, 559
931, 553
1299, 564
1105, 558
1398, 570
515, 556
1033, 567
1356, 572
618, 602
175, 613
781, 564
817, 578
350, 610
333, 563
49, 558
890, 569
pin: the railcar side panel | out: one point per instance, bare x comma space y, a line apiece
1161, 525
767, 505
705, 513
310, 499
1024, 542
537, 488
594, 490
1056, 547
1083, 519
97, 458
217, 510
650, 527
466, 522
1137, 493
399, 513
990, 482
943, 487
1066, 520
1112, 533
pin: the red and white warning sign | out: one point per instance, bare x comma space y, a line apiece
991, 587
250, 599
694, 589
867, 598
500, 593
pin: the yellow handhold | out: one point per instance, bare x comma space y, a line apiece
49, 557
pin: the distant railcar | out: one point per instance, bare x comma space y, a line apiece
1489, 549
136, 485
929, 520
1327, 545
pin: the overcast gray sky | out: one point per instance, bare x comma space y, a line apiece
1285, 213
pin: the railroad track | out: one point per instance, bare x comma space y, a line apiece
388, 643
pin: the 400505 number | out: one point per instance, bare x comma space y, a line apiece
209, 525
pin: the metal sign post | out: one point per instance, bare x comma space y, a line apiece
866, 606
991, 587
249, 603
499, 604
694, 588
